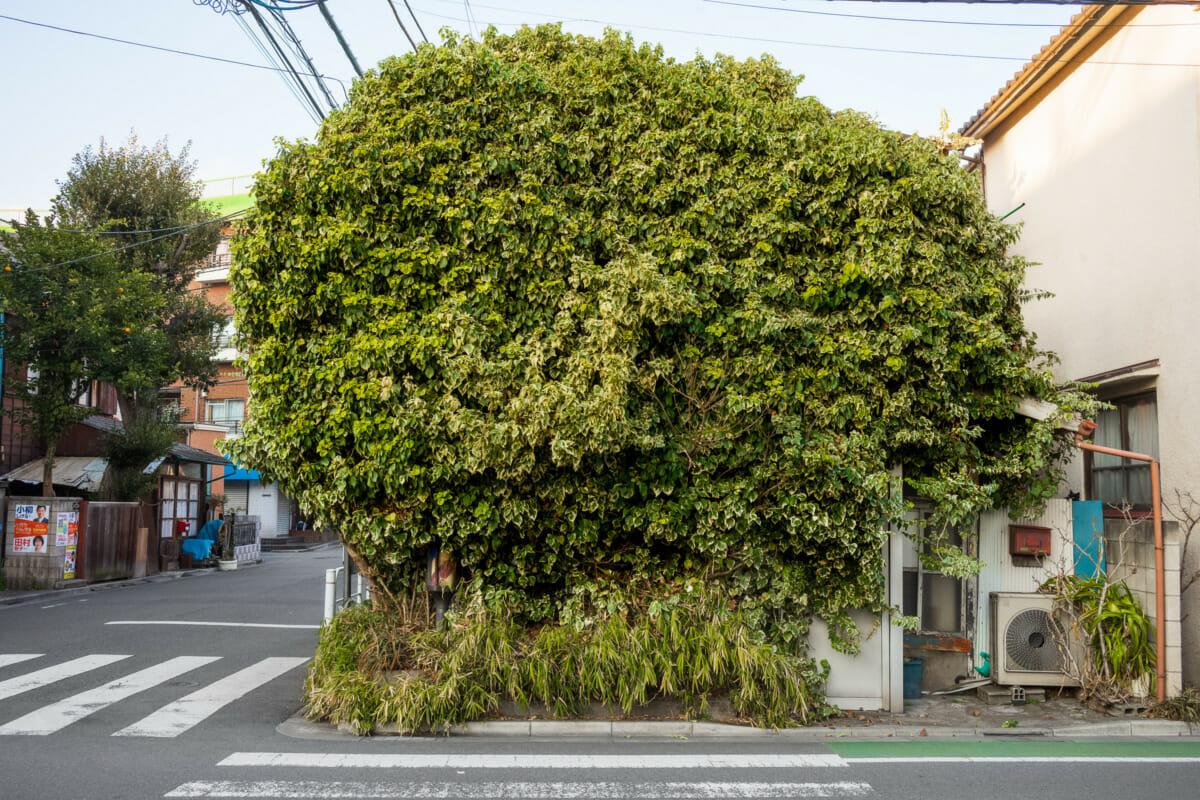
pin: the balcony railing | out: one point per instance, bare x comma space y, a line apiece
217, 261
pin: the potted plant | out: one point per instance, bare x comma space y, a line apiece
228, 560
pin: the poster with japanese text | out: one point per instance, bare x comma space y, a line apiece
69, 563
66, 532
32, 529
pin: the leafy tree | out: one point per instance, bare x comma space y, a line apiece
129, 450
68, 307
148, 203
590, 317
138, 194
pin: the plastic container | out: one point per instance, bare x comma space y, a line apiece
914, 668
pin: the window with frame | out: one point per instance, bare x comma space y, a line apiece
1131, 424
936, 600
180, 491
228, 413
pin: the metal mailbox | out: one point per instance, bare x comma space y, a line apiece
1028, 540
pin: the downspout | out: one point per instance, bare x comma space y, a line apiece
1160, 601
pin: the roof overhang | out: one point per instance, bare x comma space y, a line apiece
1086, 32
80, 472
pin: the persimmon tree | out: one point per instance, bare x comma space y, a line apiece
591, 317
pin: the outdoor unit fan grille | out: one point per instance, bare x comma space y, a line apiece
1031, 642
1030, 646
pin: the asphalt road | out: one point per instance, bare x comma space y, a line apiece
204, 707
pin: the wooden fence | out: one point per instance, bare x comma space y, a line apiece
110, 550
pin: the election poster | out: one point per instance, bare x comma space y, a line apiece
69, 563
32, 529
66, 532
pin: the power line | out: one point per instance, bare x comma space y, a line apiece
820, 45
337, 32
156, 47
303, 55
396, 14
470, 17
135, 244
927, 21
262, 24
413, 14
288, 5
283, 74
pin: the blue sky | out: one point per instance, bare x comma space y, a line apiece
63, 91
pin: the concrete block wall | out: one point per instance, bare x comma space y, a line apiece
36, 570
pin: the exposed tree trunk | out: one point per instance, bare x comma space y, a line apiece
127, 405
48, 470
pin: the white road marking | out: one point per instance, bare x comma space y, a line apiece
175, 718
43, 677
17, 658
299, 790
1027, 759
196, 624
503, 761
56, 716
54, 605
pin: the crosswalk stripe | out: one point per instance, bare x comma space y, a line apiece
55, 717
43, 677
300, 790
175, 718
535, 761
16, 658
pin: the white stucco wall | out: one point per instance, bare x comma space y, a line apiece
1107, 163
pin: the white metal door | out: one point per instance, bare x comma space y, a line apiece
264, 504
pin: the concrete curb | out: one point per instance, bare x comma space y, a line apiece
683, 729
124, 583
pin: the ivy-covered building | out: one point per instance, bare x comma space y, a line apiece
1093, 145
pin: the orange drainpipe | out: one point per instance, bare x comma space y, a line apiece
1160, 600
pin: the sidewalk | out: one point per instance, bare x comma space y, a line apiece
948, 717
961, 717
11, 597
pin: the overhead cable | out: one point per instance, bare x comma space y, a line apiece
298, 48
182, 229
156, 47
291, 70
341, 39
399, 22
819, 45
972, 23
413, 14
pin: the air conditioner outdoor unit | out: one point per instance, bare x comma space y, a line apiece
1028, 642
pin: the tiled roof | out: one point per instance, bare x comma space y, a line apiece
1057, 53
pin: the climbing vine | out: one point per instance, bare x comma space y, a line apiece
592, 317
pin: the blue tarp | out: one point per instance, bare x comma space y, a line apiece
200, 547
233, 472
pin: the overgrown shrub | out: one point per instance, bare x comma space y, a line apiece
1119, 637
589, 316
371, 667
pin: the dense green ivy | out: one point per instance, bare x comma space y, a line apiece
589, 315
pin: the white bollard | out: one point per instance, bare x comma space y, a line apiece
331, 592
